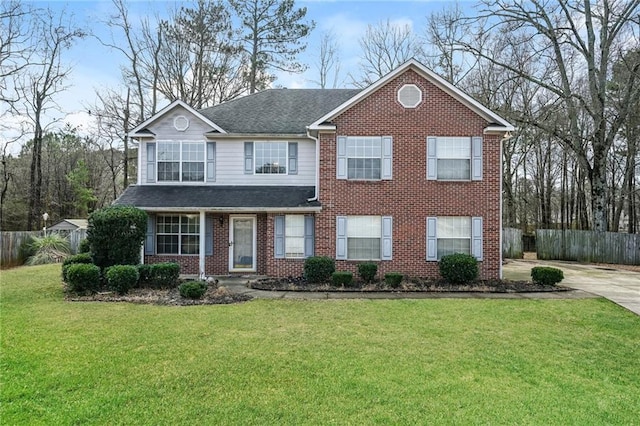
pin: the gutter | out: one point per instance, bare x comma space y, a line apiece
317, 185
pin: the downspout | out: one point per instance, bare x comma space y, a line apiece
317, 186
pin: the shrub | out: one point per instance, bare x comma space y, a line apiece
84, 246
193, 289
121, 278
458, 268
73, 260
51, 248
83, 278
318, 269
367, 271
164, 274
144, 274
115, 235
393, 279
546, 275
342, 278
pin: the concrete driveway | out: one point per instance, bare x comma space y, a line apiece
618, 285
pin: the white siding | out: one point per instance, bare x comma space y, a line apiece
164, 130
230, 166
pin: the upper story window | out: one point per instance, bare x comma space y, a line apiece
364, 157
454, 158
180, 161
271, 157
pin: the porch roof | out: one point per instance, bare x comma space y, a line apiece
218, 198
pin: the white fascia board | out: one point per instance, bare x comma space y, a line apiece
168, 108
257, 136
498, 129
429, 75
322, 127
232, 210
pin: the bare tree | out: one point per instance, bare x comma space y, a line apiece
581, 39
328, 62
385, 46
15, 49
273, 34
199, 62
43, 80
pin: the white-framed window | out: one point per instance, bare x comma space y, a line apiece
181, 161
178, 234
364, 157
454, 158
364, 237
454, 234
294, 236
270, 157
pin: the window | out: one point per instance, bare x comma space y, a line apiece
294, 236
271, 157
364, 237
181, 161
279, 158
178, 234
364, 157
454, 158
454, 234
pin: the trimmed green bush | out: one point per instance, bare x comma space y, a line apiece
115, 235
144, 274
367, 271
84, 246
458, 268
342, 278
393, 279
164, 275
193, 289
546, 275
72, 260
83, 278
121, 278
318, 269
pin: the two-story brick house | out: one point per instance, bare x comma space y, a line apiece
400, 173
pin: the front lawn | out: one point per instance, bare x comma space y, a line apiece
436, 361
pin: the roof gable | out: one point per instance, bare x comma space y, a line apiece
142, 129
498, 123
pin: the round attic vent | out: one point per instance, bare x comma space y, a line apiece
181, 123
409, 96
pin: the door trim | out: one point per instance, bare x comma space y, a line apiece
231, 238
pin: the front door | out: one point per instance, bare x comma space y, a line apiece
242, 244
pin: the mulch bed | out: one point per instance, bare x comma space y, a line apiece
167, 297
412, 285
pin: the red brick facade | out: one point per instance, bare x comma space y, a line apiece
409, 198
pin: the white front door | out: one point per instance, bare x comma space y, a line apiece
242, 243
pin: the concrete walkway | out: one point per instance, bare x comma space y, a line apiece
620, 286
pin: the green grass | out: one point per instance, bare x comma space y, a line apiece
436, 361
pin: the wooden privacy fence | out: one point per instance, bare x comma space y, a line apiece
512, 243
588, 246
10, 243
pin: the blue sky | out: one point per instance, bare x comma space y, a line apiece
95, 66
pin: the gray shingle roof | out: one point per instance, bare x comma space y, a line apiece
182, 196
277, 111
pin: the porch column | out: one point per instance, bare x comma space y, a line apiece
202, 244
